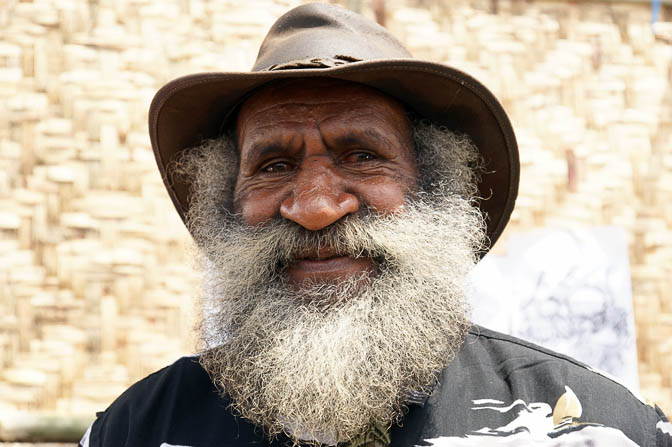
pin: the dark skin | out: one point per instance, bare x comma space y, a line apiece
314, 151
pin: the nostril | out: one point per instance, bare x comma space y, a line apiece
348, 203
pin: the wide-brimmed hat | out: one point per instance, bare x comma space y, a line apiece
322, 40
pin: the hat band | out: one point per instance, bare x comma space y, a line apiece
315, 62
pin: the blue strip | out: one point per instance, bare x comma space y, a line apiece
655, 11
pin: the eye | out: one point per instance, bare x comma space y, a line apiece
276, 167
360, 156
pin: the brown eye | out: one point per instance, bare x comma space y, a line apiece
360, 157
278, 166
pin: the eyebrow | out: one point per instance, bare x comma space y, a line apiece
355, 137
261, 149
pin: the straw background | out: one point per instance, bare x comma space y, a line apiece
96, 285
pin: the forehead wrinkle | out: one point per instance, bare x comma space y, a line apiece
357, 131
304, 100
264, 134
304, 103
291, 122
366, 111
356, 136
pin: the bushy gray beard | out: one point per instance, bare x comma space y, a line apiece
325, 360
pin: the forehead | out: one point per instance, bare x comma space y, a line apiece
318, 101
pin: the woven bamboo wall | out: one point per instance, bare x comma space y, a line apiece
95, 282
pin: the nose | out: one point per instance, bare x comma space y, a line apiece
318, 198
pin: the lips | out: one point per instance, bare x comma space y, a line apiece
327, 265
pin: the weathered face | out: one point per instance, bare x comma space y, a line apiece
316, 151
336, 345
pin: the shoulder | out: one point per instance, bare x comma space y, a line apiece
169, 407
161, 389
504, 381
513, 358
186, 371
515, 352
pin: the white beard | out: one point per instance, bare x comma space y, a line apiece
326, 360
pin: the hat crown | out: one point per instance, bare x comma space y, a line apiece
320, 35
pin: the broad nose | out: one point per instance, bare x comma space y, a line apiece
318, 198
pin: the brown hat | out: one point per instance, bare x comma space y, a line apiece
322, 40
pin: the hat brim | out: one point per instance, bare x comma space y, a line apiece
191, 108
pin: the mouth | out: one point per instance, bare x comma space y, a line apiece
327, 265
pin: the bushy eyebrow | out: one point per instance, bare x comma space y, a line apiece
355, 137
264, 146
262, 149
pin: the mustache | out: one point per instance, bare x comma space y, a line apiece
281, 241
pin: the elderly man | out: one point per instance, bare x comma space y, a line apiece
339, 194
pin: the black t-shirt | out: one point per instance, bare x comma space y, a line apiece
499, 390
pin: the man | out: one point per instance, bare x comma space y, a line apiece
339, 195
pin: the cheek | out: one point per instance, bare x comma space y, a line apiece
385, 197
257, 207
